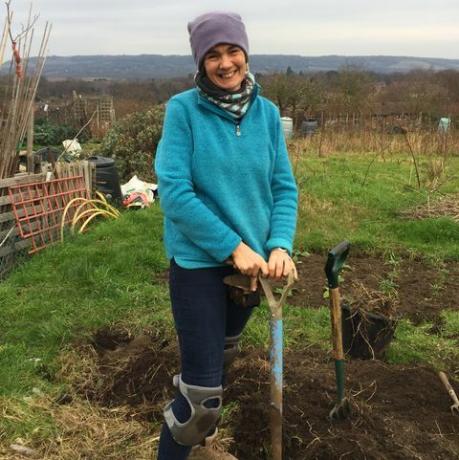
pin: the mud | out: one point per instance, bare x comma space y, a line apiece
399, 412
136, 371
422, 290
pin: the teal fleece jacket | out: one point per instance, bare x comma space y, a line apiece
221, 182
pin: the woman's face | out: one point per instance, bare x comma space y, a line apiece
225, 66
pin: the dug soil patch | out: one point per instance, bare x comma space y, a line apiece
399, 412
422, 290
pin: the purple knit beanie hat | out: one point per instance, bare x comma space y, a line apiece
213, 28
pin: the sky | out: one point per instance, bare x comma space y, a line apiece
424, 28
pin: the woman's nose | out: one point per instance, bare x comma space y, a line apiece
225, 61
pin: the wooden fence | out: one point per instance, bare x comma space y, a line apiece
10, 244
351, 121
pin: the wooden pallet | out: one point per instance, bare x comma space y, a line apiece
10, 243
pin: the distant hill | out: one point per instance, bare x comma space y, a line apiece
148, 66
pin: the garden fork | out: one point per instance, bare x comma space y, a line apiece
335, 262
455, 407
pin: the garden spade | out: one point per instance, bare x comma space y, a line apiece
276, 352
276, 358
335, 262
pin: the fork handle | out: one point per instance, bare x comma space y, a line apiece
449, 388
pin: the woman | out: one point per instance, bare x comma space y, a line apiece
229, 201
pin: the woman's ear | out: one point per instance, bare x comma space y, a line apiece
247, 68
201, 69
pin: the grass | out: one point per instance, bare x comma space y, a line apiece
416, 344
342, 198
302, 325
412, 343
110, 276
450, 327
70, 290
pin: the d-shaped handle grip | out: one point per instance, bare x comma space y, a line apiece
335, 262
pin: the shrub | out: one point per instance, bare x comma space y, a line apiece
132, 143
48, 133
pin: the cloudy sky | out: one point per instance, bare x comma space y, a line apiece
428, 28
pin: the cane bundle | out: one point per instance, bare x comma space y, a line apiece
17, 93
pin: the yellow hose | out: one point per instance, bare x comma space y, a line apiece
109, 206
94, 210
64, 214
90, 211
101, 196
81, 215
86, 222
86, 203
113, 210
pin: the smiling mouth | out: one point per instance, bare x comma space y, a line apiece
227, 75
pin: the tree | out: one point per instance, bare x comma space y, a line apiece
132, 143
276, 87
354, 88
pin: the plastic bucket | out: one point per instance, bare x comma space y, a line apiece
366, 335
287, 127
309, 127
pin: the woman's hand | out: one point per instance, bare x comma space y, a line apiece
249, 263
280, 264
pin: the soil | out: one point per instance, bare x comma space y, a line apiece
398, 412
422, 290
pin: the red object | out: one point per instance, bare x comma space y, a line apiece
136, 199
38, 208
17, 59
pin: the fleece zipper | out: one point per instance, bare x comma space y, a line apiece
238, 129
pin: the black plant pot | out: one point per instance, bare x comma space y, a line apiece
366, 335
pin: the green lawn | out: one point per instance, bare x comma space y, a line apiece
70, 290
346, 198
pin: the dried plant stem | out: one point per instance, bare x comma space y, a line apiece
413, 156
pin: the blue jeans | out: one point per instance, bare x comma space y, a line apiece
204, 315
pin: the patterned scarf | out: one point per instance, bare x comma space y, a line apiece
235, 103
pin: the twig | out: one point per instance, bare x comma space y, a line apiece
76, 135
7, 236
439, 430
368, 170
354, 395
25, 30
414, 159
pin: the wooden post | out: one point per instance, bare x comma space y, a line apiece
30, 162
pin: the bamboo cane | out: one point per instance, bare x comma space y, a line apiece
19, 95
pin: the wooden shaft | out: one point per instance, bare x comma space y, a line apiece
335, 314
275, 307
276, 431
276, 387
449, 388
30, 162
